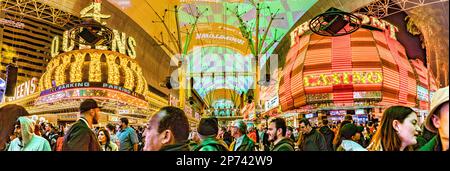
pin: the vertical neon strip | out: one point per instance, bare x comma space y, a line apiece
341, 57
403, 73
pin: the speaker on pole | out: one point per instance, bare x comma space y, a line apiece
11, 79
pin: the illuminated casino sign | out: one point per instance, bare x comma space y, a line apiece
343, 78
365, 20
120, 42
85, 85
26, 88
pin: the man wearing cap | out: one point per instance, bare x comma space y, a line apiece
208, 129
241, 141
350, 138
80, 136
437, 122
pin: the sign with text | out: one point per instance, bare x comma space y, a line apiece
26, 88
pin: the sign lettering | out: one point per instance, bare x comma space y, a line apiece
343, 78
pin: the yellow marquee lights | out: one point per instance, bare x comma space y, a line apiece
129, 81
60, 71
66, 46
75, 69
83, 69
96, 8
95, 68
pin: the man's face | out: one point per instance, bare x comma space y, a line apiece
234, 131
47, 127
288, 133
95, 115
17, 130
356, 137
220, 132
121, 125
152, 140
441, 122
272, 132
303, 128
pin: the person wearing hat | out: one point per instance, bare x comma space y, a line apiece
241, 141
208, 129
350, 138
8, 117
80, 137
437, 122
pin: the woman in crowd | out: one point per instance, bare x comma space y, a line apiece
398, 130
105, 141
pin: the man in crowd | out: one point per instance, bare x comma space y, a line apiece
128, 139
241, 141
350, 138
326, 132
167, 130
208, 129
50, 135
277, 133
437, 122
80, 136
26, 139
311, 139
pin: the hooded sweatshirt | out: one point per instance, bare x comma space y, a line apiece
30, 141
348, 145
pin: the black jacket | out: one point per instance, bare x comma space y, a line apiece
80, 138
284, 145
328, 134
314, 141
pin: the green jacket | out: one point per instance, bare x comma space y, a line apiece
433, 145
246, 145
212, 144
184, 146
284, 145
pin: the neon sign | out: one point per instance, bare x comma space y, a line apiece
365, 20
343, 78
120, 42
26, 88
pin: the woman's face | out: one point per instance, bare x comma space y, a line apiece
102, 137
409, 130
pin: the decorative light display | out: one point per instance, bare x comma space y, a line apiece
365, 67
113, 70
66, 45
75, 69
220, 68
224, 12
95, 68
60, 71
96, 8
87, 67
129, 81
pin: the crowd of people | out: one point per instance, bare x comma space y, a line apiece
169, 130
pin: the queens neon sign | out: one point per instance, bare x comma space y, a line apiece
343, 78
